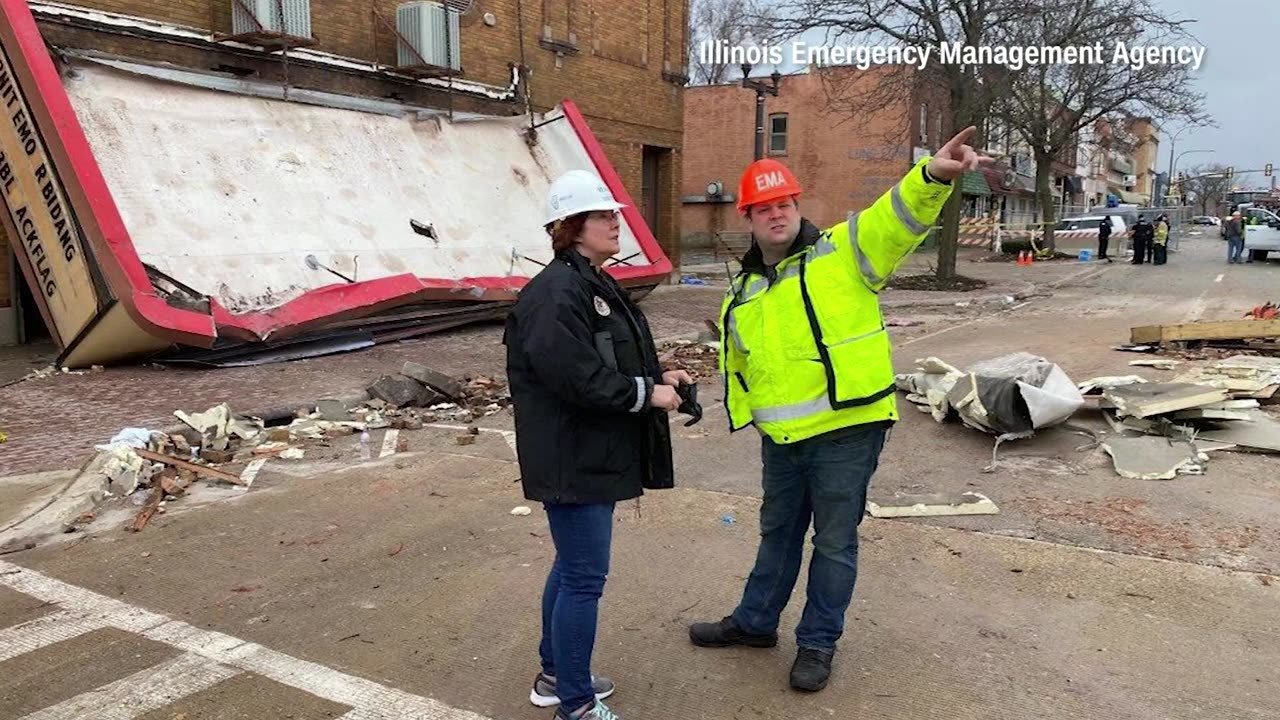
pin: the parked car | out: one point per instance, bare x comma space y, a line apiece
1089, 224
1206, 220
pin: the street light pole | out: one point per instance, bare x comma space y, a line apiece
1174, 166
761, 88
1173, 142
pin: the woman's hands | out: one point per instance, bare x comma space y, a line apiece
665, 396
676, 378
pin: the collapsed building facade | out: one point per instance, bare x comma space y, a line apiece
216, 180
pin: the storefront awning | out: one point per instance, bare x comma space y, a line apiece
973, 182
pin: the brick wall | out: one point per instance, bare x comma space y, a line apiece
842, 164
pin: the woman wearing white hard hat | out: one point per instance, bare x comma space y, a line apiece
590, 402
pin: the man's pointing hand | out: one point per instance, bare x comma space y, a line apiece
954, 158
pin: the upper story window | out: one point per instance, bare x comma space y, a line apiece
778, 134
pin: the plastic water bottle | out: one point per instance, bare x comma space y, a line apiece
364, 445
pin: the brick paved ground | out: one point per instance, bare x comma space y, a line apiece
53, 423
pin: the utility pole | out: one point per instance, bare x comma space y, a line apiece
761, 88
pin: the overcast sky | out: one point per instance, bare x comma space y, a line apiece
1240, 39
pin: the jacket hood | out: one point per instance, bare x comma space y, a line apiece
753, 261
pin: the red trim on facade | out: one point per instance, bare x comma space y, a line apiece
659, 264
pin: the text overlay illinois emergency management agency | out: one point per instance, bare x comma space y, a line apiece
1015, 57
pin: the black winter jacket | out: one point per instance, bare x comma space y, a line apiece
581, 364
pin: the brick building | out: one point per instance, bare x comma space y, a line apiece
621, 62
844, 165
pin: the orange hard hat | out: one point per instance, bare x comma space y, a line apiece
763, 181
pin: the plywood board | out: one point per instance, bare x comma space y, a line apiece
1213, 330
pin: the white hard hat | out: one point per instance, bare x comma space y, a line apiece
578, 191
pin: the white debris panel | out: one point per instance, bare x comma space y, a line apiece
230, 194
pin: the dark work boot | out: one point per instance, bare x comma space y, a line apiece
727, 634
810, 670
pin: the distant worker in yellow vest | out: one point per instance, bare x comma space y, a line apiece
805, 358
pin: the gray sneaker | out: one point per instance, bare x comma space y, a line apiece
597, 711
544, 691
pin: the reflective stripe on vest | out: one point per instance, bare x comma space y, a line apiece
794, 411
865, 266
904, 214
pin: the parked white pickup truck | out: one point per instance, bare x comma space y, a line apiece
1262, 232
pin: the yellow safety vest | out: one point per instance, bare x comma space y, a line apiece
808, 352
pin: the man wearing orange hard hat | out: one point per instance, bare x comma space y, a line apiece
806, 358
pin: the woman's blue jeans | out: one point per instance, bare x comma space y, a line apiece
583, 536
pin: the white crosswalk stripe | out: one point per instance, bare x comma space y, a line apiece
208, 658
142, 692
45, 631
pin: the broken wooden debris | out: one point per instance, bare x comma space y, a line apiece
148, 510
201, 470
1206, 330
969, 503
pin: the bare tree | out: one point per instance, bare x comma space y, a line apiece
969, 90
1049, 104
1207, 185
710, 22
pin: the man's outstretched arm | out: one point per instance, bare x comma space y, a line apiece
887, 232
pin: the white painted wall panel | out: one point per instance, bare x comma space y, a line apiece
229, 194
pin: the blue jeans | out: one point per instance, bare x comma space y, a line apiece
1235, 248
824, 481
583, 536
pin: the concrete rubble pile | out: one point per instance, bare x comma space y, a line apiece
153, 468
700, 357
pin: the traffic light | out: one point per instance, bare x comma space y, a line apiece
1231, 173
1267, 170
